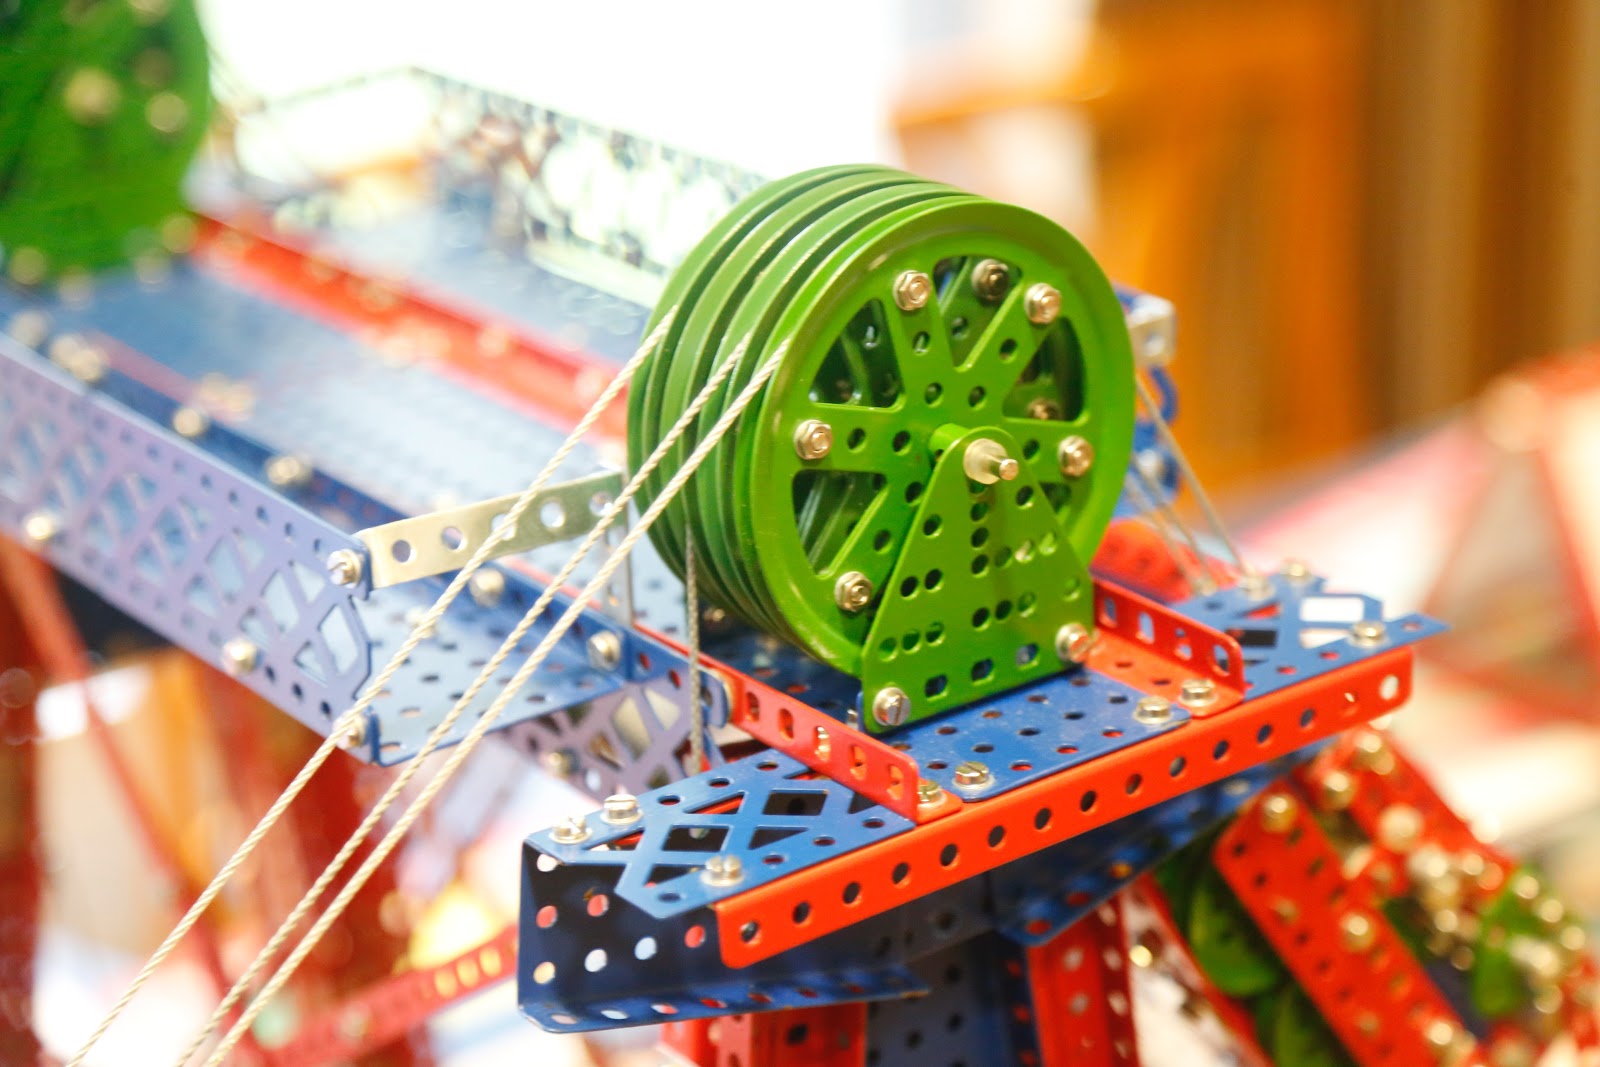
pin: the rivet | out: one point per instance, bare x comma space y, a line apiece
1198, 692
40, 528
605, 651
722, 870
619, 809
1075, 456
190, 422
1074, 641
891, 706
570, 831
1042, 303
345, 566
852, 592
813, 439
986, 462
972, 775
1367, 633
1278, 813
1153, 711
240, 656
912, 289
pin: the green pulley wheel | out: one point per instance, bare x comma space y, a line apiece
1226, 943
104, 107
939, 451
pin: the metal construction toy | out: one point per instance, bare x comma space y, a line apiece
920, 728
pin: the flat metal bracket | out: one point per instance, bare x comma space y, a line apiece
442, 541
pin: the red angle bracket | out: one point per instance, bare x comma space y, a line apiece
981, 836
1158, 651
1082, 1004
1373, 993
392, 1008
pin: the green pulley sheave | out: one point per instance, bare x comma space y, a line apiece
919, 325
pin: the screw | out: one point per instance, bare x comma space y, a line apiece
990, 280
288, 472
40, 528
1336, 790
620, 809
1441, 1035
1399, 827
605, 651
813, 439
891, 706
972, 775
345, 566
1357, 932
559, 763
1153, 711
986, 461
78, 357
1296, 570
487, 585
1073, 642
929, 794
723, 869
1278, 813
912, 290
1255, 585
1075, 456
1043, 408
240, 656
1367, 633
1042, 303
1198, 692
1372, 753
852, 592
190, 422
355, 736
570, 831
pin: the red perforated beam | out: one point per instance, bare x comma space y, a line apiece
766, 920
1082, 1006
1375, 997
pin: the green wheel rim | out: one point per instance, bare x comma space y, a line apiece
1088, 344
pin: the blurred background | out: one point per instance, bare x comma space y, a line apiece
1379, 221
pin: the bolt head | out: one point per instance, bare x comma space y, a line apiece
1296, 570
355, 737
620, 809
990, 280
852, 592
40, 528
287, 472
1198, 692
723, 870
605, 651
486, 586
813, 439
1043, 408
240, 656
1255, 585
1278, 813
345, 566
570, 831
1075, 455
1042, 303
30, 328
1440, 1035
1074, 642
1372, 753
972, 775
891, 706
1153, 711
1399, 828
912, 290
1336, 790
558, 763
929, 793
190, 422
1367, 633
1357, 932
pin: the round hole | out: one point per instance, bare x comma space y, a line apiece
932, 579
931, 526
1088, 801
595, 960
997, 834
880, 540
553, 515
913, 491
452, 538
1041, 818
749, 932
852, 893
802, 913
933, 393
545, 973
401, 551
919, 343
901, 441
857, 438
948, 855
976, 397
901, 872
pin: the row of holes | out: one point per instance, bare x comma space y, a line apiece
950, 855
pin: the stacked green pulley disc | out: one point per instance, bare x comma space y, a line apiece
914, 496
